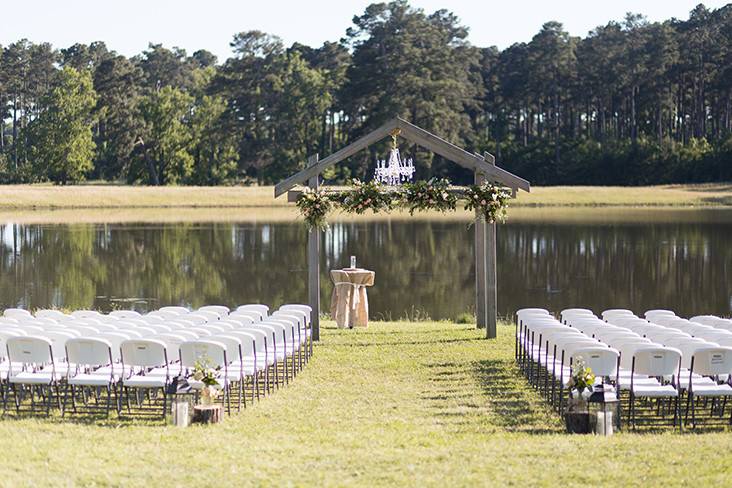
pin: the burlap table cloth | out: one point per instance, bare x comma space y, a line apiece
349, 303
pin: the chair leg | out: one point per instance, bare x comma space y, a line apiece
165, 404
6, 394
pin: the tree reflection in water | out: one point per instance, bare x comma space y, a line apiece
420, 265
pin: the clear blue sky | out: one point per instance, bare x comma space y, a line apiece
127, 26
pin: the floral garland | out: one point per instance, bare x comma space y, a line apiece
364, 196
314, 205
428, 195
488, 201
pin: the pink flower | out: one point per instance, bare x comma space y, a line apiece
482, 202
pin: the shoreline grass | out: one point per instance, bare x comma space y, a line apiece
397, 404
96, 196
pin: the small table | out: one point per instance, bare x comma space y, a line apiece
349, 303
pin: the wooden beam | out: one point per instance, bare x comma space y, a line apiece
481, 299
491, 279
334, 158
314, 264
453, 153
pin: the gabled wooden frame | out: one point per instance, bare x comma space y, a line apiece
484, 168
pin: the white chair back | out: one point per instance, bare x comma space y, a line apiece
51, 314
125, 314
656, 361
17, 313
174, 310
145, 353
192, 352
602, 360
89, 351
29, 350
262, 310
713, 361
220, 310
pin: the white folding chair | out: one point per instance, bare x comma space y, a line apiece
262, 310
710, 362
175, 310
51, 314
222, 310
31, 366
93, 369
125, 314
17, 313
214, 354
142, 356
660, 363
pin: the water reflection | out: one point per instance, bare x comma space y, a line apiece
424, 266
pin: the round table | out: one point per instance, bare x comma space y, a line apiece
349, 305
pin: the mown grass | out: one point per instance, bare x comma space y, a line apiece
25, 197
398, 404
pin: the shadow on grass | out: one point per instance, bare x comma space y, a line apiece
516, 406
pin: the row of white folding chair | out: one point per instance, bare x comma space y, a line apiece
562, 347
713, 321
686, 336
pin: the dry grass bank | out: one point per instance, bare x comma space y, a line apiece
34, 197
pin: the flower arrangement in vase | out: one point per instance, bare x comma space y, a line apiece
203, 372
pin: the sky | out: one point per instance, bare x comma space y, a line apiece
127, 26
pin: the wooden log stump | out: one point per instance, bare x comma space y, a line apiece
208, 414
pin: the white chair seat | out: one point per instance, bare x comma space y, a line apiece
659, 391
712, 390
92, 379
118, 371
145, 382
28, 378
638, 381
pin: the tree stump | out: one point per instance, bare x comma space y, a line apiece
208, 414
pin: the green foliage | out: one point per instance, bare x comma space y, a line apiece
428, 195
61, 146
364, 196
167, 137
205, 373
465, 318
214, 149
582, 376
489, 201
314, 206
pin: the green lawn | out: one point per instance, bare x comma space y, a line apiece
398, 404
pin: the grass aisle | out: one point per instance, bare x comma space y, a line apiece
398, 404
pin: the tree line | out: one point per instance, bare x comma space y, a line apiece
633, 102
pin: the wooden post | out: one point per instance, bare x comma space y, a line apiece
314, 264
491, 279
481, 299
208, 414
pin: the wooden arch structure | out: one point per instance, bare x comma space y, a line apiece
484, 168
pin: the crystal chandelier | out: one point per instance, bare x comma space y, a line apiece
394, 171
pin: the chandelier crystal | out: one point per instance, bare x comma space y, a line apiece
394, 171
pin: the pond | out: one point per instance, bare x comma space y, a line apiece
596, 258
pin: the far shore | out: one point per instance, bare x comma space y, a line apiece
259, 201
